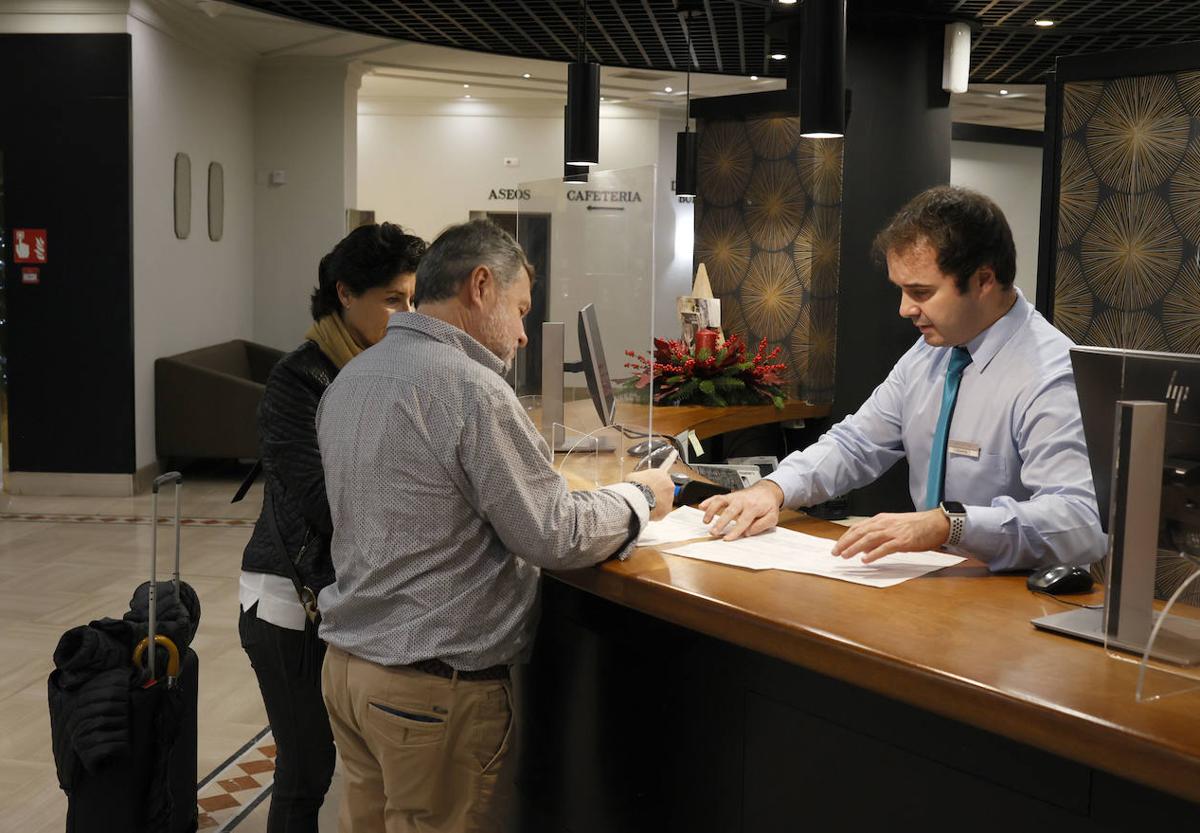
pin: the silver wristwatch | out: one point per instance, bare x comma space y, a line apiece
649, 495
956, 514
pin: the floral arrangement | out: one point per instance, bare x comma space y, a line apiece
707, 375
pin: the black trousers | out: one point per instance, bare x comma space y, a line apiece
288, 666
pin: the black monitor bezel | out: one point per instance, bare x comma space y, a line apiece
595, 365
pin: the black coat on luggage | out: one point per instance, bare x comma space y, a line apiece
125, 747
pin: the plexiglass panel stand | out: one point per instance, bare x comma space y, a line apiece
1128, 618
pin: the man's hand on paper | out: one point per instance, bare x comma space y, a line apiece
886, 533
664, 490
744, 512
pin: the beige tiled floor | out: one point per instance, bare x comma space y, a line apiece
57, 574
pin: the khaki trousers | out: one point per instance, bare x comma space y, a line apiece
420, 753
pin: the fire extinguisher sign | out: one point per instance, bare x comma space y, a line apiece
29, 245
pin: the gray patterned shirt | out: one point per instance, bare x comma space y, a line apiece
445, 504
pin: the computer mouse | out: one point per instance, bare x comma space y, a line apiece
680, 479
1060, 579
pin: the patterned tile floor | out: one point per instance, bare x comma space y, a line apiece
232, 792
143, 520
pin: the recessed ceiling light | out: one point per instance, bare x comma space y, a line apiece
526, 75
601, 98
1004, 92
778, 56
466, 86
753, 77
667, 89
468, 95
1044, 23
787, 2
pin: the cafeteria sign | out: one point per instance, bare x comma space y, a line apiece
579, 195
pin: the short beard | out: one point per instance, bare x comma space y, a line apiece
493, 338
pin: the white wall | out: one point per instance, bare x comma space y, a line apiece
427, 164
193, 94
1012, 176
189, 97
300, 128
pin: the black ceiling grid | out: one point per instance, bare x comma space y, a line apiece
726, 36
730, 37
1009, 49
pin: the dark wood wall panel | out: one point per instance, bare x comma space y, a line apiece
65, 143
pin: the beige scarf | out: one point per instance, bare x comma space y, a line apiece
333, 337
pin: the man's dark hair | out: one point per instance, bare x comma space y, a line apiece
370, 256
459, 250
965, 228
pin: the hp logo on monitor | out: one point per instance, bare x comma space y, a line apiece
1177, 393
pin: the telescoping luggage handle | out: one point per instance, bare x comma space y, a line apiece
153, 639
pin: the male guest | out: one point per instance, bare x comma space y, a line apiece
983, 406
445, 505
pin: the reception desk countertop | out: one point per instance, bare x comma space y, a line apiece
957, 642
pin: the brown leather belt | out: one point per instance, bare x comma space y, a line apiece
441, 669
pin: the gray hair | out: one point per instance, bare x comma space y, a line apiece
459, 250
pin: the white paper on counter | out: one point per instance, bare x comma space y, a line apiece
796, 552
683, 524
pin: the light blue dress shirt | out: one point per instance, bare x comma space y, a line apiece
1017, 458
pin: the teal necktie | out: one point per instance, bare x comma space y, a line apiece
959, 359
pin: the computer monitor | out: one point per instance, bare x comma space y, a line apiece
595, 367
1104, 376
1150, 454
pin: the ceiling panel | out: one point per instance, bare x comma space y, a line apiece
731, 36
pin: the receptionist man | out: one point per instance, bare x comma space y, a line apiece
983, 406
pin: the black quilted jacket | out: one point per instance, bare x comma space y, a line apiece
294, 485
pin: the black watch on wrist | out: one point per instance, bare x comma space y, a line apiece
649, 495
956, 514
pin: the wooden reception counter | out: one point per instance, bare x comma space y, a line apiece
707, 422
673, 694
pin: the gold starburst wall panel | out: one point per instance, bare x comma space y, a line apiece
1127, 232
768, 229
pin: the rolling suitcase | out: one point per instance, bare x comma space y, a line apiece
153, 790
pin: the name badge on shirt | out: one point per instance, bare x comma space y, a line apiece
963, 449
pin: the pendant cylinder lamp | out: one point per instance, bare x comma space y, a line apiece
685, 142
956, 58
823, 70
685, 164
571, 173
583, 113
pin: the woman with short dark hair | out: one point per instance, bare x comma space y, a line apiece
368, 276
